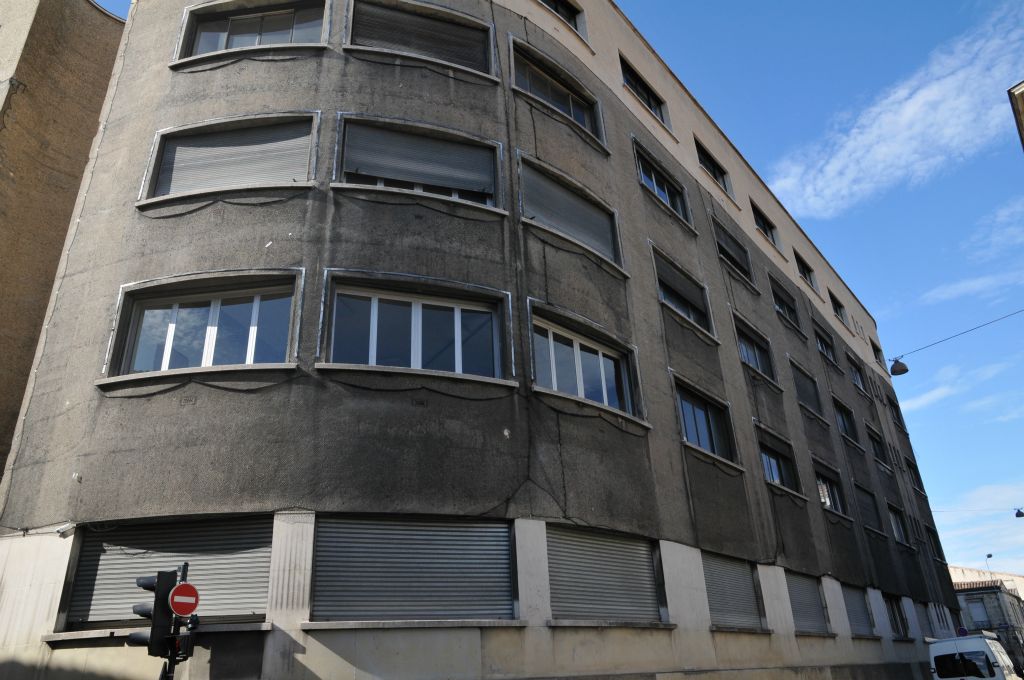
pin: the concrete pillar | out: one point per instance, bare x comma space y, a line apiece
687, 598
288, 599
835, 604
533, 581
876, 603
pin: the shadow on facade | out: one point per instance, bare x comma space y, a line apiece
13, 670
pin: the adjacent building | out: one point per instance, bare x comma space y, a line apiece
991, 605
451, 340
1016, 94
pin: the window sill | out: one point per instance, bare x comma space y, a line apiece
793, 325
401, 370
886, 468
904, 639
399, 55
739, 275
613, 267
659, 121
571, 28
595, 404
852, 442
814, 634
919, 491
811, 287
722, 190
773, 486
860, 636
773, 244
610, 623
184, 195
811, 413
588, 136
838, 514
832, 363
863, 392
116, 380
713, 457
346, 186
241, 52
703, 333
741, 629
878, 532
108, 633
669, 211
413, 623
764, 377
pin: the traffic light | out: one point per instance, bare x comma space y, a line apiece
159, 612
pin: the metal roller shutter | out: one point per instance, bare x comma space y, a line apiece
600, 576
805, 600
383, 569
264, 154
229, 562
565, 211
857, 611
732, 596
922, 619
394, 154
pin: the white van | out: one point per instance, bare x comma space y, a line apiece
972, 656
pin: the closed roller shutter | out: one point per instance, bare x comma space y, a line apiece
395, 154
600, 576
565, 211
381, 569
394, 29
229, 563
732, 596
731, 248
857, 611
805, 599
266, 154
922, 619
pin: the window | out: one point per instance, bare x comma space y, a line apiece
574, 365
397, 159
667, 191
915, 474
978, 613
785, 303
438, 35
551, 87
899, 524
830, 493
733, 594
856, 373
602, 576
845, 420
897, 617
858, 611
823, 341
302, 24
877, 352
764, 225
878, 448
754, 352
895, 413
732, 251
643, 91
681, 293
566, 10
714, 168
923, 620
778, 468
705, 424
868, 508
806, 603
805, 271
247, 326
569, 213
933, 540
269, 154
806, 389
838, 308
385, 329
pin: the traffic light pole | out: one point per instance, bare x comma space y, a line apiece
165, 638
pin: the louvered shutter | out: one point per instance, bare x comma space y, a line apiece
734, 251
395, 154
732, 596
806, 390
565, 211
922, 619
868, 509
383, 569
805, 600
229, 563
265, 154
395, 29
600, 576
857, 611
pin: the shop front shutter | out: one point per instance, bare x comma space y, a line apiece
922, 619
229, 563
395, 29
554, 205
857, 611
601, 576
805, 600
732, 596
390, 569
258, 155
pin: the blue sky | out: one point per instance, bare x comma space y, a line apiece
885, 129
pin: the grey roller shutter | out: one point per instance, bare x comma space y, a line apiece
731, 248
229, 563
395, 154
265, 154
601, 576
391, 28
868, 508
553, 205
857, 611
806, 390
732, 596
805, 600
922, 619
382, 569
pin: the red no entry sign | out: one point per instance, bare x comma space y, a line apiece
184, 599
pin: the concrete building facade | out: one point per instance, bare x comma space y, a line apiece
991, 605
451, 340
1016, 94
55, 63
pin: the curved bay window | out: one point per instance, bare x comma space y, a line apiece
577, 366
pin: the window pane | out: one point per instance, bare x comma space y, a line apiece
478, 343
210, 36
233, 331
565, 365
541, 358
275, 317
438, 338
618, 396
308, 25
590, 363
394, 333
703, 432
189, 335
689, 422
243, 32
351, 341
277, 28
152, 336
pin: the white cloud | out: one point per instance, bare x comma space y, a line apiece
998, 233
988, 286
952, 380
949, 109
930, 397
968, 535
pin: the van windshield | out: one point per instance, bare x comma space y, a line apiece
964, 665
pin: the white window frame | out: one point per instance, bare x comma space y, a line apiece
416, 320
658, 172
602, 351
557, 74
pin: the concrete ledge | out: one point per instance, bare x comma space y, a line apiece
101, 633
204, 193
737, 629
602, 623
244, 53
810, 633
421, 623
420, 372
194, 371
874, 638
